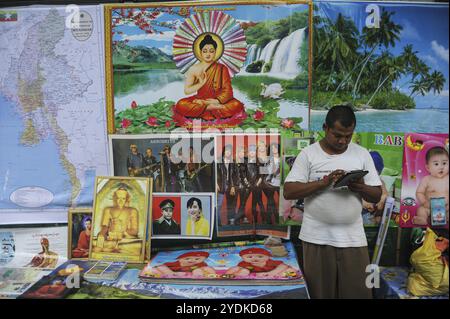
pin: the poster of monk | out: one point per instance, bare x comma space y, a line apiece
120, 218
80, 230
202, 65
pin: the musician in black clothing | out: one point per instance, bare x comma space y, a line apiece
243, 185
135, 162
169, 170
150, 165
254, 178
271, 183
192, 169
226, 183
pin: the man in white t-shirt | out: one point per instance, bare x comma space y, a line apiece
335, 254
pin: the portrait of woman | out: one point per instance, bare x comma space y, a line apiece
197, 224
210, 83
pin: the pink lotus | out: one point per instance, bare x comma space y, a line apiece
287, 123
152, 121
125, 123
258, 116
134, 105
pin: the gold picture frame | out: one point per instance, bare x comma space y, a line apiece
120, 219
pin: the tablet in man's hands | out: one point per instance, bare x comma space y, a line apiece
349, 177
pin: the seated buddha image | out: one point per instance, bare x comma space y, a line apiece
119, 231
210, 82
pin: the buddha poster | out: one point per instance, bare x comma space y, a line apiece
207, 65
120, 218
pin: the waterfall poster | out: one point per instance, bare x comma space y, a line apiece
208, 65
388, 60
424, 180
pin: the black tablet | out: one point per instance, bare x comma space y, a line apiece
349, 177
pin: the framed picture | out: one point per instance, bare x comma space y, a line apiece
208, 64
176, 163
120, 218
79, 235
183, 216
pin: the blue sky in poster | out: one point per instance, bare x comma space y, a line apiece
425, 26
253, 13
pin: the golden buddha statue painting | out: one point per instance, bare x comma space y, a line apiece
209, 62
120, 219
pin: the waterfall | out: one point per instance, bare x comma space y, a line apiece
252, 54
285, 61
267, 52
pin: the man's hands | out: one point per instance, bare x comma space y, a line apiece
331, 178
357, 186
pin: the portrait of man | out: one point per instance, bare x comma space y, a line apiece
166, 224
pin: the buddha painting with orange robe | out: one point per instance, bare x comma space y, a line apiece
210, 83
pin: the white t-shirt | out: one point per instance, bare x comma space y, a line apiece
333, 216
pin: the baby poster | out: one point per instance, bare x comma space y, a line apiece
424, 199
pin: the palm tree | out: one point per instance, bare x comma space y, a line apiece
436, 82
336, 45
409, 56
390, 66
386, 35
420, 86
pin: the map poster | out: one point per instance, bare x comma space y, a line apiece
217, 64
384, 59
424, 180
38, 248
52, 112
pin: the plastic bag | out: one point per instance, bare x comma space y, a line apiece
431, 273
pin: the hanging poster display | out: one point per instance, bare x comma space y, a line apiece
386, 150
425, 181
52, 112
176, 163
385, 59
220, 65
248, 185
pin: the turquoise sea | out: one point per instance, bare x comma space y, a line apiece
417, 120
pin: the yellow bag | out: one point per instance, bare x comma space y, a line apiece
430, 276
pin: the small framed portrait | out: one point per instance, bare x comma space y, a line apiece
166, 217
120, 218
79, 232
183, 216
197, 215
